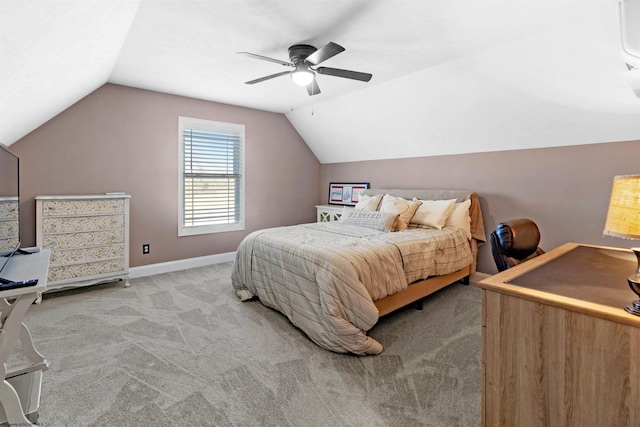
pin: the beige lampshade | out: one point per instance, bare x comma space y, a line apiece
623, 218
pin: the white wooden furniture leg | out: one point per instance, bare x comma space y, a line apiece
14, 304
12, 315
28, 349
11, 404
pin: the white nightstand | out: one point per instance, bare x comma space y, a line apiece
328, 213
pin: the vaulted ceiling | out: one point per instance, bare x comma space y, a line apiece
449, 76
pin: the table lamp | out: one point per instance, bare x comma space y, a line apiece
623, 220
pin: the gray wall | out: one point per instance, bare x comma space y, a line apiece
565, 190
124, 139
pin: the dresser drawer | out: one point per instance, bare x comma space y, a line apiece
8, 210
9, 228
75, 271
79, 240
84, 255
82, 207
82, 223
9, 224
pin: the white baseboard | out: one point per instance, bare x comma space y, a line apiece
181, 264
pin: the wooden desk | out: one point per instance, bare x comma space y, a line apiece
558, 348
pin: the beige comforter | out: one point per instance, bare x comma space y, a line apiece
325, 276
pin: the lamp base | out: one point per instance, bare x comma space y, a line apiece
634, 308
634, 284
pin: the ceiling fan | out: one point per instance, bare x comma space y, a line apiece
305, 58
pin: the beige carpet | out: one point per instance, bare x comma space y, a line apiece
180, 349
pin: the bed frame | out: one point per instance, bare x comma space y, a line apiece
418, 290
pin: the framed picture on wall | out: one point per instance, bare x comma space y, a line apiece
346, 193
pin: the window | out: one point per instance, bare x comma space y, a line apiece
211, 176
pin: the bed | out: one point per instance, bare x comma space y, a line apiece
334, 280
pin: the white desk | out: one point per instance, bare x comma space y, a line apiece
21, 385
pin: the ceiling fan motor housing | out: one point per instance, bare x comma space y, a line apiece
300, 52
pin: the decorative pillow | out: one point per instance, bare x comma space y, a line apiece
377, 220
368, 203
461, 218
399, 206
433, 213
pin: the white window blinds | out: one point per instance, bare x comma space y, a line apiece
211, 176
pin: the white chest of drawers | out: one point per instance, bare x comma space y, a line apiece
88, 237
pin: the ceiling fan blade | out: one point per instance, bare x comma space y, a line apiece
266, 58
313, 88
347, 74
261, 79
327, 51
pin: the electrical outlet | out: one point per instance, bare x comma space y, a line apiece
145, 248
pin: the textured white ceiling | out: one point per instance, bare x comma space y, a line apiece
448, 75
191, 49
53, 53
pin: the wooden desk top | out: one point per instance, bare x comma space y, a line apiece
582, 278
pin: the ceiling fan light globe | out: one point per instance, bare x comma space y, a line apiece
302, 77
